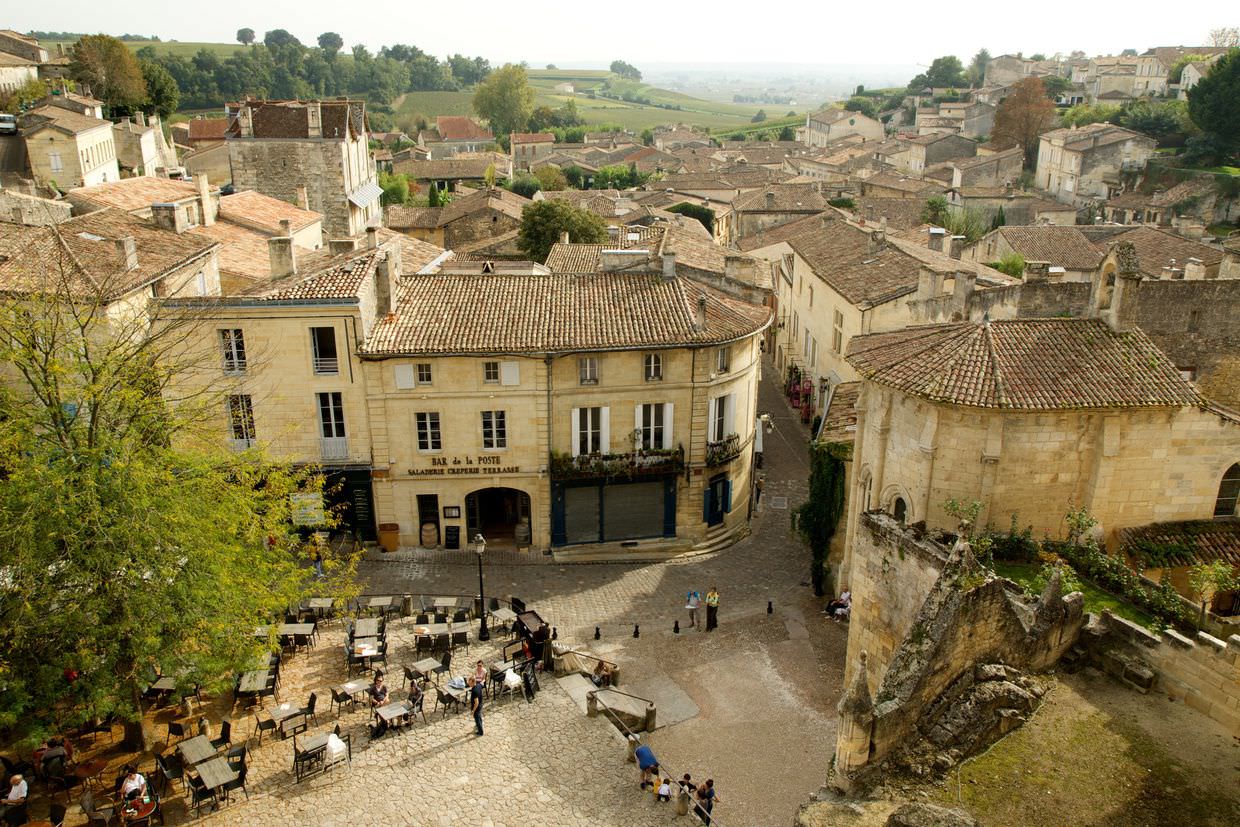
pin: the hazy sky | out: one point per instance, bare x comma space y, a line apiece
580, 34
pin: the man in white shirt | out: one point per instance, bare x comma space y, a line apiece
18, 789
134, 784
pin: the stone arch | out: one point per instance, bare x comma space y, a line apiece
865, 484
897, 502
1106, 286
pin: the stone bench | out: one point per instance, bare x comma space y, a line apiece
638, 714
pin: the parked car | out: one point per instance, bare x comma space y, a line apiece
8, 124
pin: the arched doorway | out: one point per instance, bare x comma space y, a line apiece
501, 515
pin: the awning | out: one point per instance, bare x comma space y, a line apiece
365, 194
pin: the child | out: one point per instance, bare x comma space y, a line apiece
665, 790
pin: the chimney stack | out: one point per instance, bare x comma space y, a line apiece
283, 257
205, 206
128, 251
303, 199
957, 246
245, 121
936, 238
338, 246
699, 322
564, 236
286, 227
1037, 271
372, 238
963, 283
770, 200
929, 284
1194, 270
314, 120
669, 265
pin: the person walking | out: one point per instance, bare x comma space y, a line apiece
692, 603
475, 704
712, 609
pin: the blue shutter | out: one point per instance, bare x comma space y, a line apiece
727, 496
706, 492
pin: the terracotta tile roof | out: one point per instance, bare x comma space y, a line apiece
133, 194
1062, 246
208, 129
523, 313
60, 118
85, 250
7, 59
400, 217
321, 276
1157, 248
901, 213
805, 198
983, 160
461, 128
1024, 364
829, 115
840, 419
243, 251
495, 198
339, 119
532, 138
584, 258
414, 253
783, 232
903, 183
1185, 543
264, 212
1093, 135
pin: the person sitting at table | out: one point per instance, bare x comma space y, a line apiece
134, 784
480, 674
378, 691
18, 790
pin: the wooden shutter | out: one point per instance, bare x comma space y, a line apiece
668, 413
710, 420
576, 443
510, 373
404, 377
604, 441
729, 415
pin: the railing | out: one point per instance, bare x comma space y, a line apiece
724, 450
326, 365
335, 447
653, 462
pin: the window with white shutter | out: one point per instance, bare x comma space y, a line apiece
403, 376
510, 373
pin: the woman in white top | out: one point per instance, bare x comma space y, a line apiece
134, 785
18, 790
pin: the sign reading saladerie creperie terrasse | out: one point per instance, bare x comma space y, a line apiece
453, 466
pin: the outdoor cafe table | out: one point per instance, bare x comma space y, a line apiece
286, 629
439, 628
426, 667
447, 602
354, 687
215, 773
390, 712
253, 681
366, 627
197, 749
135, 811
164, 683
282, 712
379, 602
320, 604
504, 615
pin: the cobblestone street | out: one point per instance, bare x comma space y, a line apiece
755, 709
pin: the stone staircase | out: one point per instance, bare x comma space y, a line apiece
651, 551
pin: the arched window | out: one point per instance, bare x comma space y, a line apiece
863, 490
899, 509
1228, 493
1107, 288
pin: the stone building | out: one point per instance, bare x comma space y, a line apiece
925, 151
1066, 248
989, 169
69, 149
528, 148
452, 398
759, 210
454, 135
141, 148
1081, 165
1032, 417
466, 220
821, 128
316, 150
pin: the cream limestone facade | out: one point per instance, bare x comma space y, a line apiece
79, 159
1129, 467
467, 481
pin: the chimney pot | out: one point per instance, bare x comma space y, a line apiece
699, 323
957, 246
669, 265
205, 205
936, 238
564, 236
372, 237
770, 200
286, 228
128, 251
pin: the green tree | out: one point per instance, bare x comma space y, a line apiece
1212, 102
575, 176
1209, 579
625, 70
647, 137
1055, 85
130, 544
703, 214
1084, 113
863, 105
543, 221
106, 65
787, 134
505, 99
525, 185
936, 211
759, 116
331, 43
279, 39
24, 95
1158, 120
944, 72
1176, 72
1037, 56
550, 179
1022, 117
395, 188
162, 95
977, 67
816, 521
1012, 263
245, 36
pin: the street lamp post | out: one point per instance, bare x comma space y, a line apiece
480, 546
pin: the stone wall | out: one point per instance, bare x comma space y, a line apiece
32, 210
955, 680
1203, 672
278, 167
479, 225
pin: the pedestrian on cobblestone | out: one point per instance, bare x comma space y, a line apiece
712, 608
475, 704
692, 603
757, 492
706, 800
